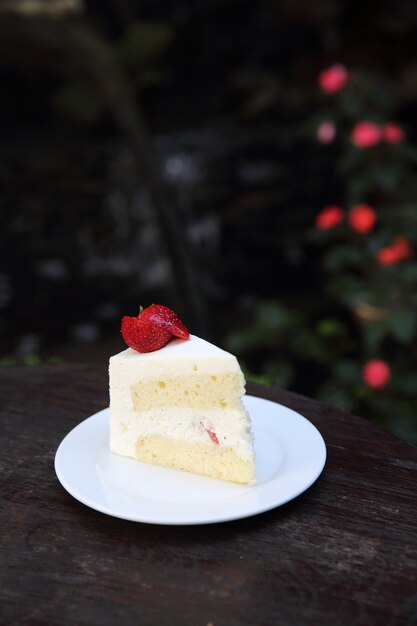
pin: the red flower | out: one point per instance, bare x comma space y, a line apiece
387, 256
362, 218
399, 250
326, 132
403, 248
329, 217
376, 373
366, 134
393, 133
333, 78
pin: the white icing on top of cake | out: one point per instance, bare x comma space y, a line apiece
177, 357
194, 346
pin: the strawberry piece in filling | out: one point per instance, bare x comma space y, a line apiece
211, 434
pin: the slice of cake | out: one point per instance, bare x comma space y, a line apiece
181, 407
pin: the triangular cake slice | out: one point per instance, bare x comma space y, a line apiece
181, 407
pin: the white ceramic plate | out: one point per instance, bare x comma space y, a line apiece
290, 455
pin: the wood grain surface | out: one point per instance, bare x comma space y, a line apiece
343, 553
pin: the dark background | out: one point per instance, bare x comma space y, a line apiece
165, 152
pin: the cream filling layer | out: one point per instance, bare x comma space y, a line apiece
231, 428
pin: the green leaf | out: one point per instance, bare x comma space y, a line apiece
409, 152
406, 384
54, 359
374, 334
386, 178
308, 345
7, 361
409, 272
348, 372
238, 342
360, 186
330, 328
32, 359
349, 161
404, 425
343, 256
280, 373
403, 326
272, 316
256, 378
336, 395
348, 289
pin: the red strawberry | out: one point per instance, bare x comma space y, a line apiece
164, 317
211, 434
152, 328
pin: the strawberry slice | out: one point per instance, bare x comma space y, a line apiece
163, 317
152, 329
143, 337
211, 434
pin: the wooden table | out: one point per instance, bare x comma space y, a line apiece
345, 552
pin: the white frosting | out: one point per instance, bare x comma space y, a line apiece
178, 358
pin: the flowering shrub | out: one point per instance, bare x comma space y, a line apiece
358, 351
368, 258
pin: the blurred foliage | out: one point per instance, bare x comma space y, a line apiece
374, 303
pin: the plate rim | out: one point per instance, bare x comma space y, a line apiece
215, 519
